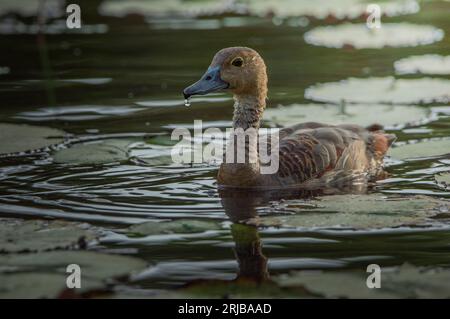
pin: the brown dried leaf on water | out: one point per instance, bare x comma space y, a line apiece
372, 211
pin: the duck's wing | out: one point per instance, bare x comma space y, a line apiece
312, 150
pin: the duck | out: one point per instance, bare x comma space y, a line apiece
310, 155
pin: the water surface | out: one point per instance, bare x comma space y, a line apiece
124, 81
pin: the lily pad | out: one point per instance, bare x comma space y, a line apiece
76, 113
164, 8
360, 37
16, 138
158, 150
64, 82
162, 140
356, 212
179, 226
12, 25
32, 285
91, 81
332, 284
406, 281
155, 151
386, 90
421, 149
18, 235
289, 8
98, 152
423, 64
43, 275
52, 8
362, 114
321, 9
95, 265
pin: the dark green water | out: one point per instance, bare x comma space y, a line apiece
144, 71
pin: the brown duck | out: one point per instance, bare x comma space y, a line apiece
311, 155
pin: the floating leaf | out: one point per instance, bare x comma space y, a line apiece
95, 265
332, 284
164, 8
14, 25
407, 281
43, 275
289, 8
20, 138
362, 114
76, 113
178, 226
321, 9
34, 285
381, 90
52, 8
421, 149
64, 82
18, 235
361, 37
357, 212
163, 140
98, 152
91, 81
192, 23
156, 151
423, 64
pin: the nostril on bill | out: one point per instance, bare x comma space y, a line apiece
208, 78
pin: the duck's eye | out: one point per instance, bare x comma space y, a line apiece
237, 62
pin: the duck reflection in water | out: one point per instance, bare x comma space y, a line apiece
241, 207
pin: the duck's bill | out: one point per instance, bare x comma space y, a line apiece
209, 82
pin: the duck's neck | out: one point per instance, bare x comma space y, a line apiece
248, 110
241, 167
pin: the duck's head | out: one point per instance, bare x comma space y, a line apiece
238, 69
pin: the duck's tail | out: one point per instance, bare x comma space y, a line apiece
375, 127
381, 141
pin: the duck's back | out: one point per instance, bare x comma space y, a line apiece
314, 153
